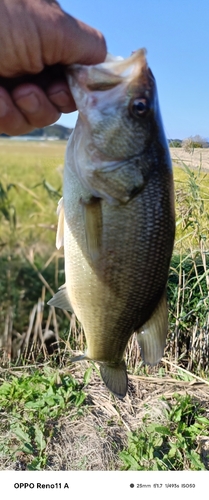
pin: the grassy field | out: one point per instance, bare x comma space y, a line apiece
57, 417
26, 168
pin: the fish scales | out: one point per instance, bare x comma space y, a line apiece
118, 222
119, 301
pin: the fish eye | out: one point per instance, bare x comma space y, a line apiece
139, 107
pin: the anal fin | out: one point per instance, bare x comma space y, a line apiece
152, 335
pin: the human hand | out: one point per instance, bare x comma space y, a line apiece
36, 40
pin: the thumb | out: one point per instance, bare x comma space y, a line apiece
76, 43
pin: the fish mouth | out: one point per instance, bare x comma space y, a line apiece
116, 67
85, 80
98, 88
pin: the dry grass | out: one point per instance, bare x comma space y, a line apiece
192, 159
93, 441
189, 348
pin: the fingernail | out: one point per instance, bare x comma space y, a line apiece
28, 103
60, 98
3, 107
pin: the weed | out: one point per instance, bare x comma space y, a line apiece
7, 209
188, 284
34, 403
172, 446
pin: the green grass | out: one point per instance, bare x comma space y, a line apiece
29, 191
33, 401
172, 446
188, 283
31, 168
192, 206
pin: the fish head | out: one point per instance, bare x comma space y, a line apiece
118, 106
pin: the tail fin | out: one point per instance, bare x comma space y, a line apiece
115, 378
113, 375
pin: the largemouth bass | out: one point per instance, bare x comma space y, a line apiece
116, 217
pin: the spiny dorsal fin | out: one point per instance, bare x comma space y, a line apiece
115, 378
60, 227
92, 213
61, 299
152, 335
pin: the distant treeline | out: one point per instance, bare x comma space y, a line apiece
57, 131
190, 143
62, 133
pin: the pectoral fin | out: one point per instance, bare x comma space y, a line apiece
92, 213
152, 336
115, 378
81, 357
61, 299
60, 227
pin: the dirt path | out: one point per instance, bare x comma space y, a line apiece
194, 159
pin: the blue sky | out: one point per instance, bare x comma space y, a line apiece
176, 36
